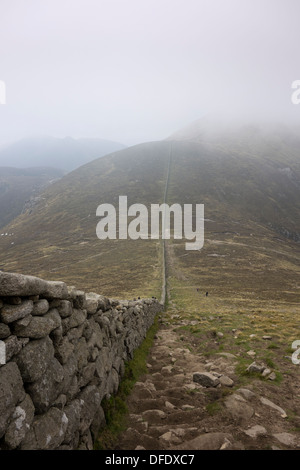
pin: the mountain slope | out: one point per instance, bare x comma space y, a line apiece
252, 224
20, 187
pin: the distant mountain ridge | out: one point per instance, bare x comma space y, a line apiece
66, 153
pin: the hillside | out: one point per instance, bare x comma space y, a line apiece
66, 154
62, 228
20, 189
251, 209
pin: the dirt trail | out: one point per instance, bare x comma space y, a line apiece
168, 410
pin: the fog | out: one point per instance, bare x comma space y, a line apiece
137, 70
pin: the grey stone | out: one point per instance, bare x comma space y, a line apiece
205, 379
72, 411
56, 290
40, 307
254, 367
267, 402
226, 381
238, 409
64, 308
100, 367
103, 303
266, 372
22, 322
90, 401
77, 318
209, 441
92, 301
60, 401
75, 333
71, 292
81, 353
251, 353
11, 313
87, 374
4, 331
187, 407
169, 438
56, 335
13, 284
93, 335
286, 438
256, 431
13, 346
64, 350
34, 358
154, 415
11, 392
39, 327
47, 431
119, 327
54, 316
69, 385
168, 404
44, 392
248, 394
20, 422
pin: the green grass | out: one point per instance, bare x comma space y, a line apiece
115, 408
213, 408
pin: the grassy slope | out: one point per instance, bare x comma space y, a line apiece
248, 204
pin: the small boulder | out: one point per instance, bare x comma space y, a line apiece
254, 367
256, 431
226, 381
206, 379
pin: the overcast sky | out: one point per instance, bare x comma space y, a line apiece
137, 70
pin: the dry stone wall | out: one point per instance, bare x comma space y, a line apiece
65, 351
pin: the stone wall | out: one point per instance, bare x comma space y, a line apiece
65, 352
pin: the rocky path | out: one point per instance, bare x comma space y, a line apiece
189, 402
